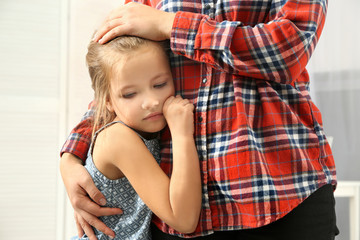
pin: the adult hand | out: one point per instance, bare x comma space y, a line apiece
85, 198
137, 20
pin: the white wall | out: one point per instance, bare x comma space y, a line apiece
44, 90
29, 103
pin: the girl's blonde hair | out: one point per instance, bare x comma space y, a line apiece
101, 59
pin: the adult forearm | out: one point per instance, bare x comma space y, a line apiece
79, 187
275, 50
67, 162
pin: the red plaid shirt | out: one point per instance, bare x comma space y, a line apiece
259, 135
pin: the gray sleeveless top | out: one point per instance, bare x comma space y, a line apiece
134, 223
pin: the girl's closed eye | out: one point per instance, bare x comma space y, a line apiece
129, 95
160, 85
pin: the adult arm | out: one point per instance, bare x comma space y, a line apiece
85, 198
275, 50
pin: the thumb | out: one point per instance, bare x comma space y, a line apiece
94, 193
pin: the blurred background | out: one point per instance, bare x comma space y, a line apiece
45, 89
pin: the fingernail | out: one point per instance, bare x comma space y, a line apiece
101, 41
102, 201
95, 36
111, 237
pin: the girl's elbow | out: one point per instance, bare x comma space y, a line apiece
187, 226
191, 228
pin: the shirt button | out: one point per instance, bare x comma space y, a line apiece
207, 6
200, 119
204, 80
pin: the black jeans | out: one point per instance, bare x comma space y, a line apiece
314, 219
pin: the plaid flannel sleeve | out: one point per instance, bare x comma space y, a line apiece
79, 140
275, 50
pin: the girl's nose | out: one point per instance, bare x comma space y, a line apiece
150, 103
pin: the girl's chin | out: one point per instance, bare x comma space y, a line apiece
151, 133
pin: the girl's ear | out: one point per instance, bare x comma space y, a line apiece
109, 106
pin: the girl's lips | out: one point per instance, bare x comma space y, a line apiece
153, 116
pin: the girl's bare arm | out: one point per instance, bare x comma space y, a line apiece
177, 201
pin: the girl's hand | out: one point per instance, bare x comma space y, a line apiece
179, 114
137, 20
85, 198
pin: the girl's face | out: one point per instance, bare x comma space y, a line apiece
140, 84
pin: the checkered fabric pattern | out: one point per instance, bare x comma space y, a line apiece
259, 135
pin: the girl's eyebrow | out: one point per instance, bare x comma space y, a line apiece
164, 74
126, 87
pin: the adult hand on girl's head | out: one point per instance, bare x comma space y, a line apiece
137, 20
85, 198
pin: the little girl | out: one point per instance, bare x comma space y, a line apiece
134, 99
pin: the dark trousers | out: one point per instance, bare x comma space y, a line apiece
314, 219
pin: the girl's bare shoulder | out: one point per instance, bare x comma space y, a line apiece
117, 136
120, 146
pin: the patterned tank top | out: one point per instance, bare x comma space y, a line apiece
134, 223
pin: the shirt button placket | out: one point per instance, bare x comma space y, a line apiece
201, 120
208, 9
200, 117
